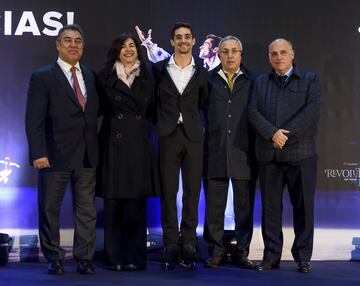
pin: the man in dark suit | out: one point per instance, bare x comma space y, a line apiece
284, 110
182, 89
229, 154
61, 126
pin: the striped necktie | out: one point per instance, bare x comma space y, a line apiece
282, 80
230, 80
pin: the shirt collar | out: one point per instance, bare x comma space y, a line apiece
288, 73
238, 72
223, 73
293, 71
66, 66
172, 62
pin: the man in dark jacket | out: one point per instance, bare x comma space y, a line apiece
61, 125
182, 89
284, 110
229, 154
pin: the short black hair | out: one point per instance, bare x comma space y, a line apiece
178, 25
72, 27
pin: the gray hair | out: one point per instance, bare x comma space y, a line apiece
229, 38
281, 40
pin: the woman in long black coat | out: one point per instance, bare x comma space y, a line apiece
127, 172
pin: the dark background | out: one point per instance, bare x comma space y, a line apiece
324, 34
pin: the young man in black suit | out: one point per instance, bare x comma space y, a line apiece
61, 126
181, 91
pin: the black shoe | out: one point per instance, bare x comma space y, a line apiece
85, 267
188, 265
304, 266
131, 267
189, 253
214, 261
267, 265
116, 267
169, 265
56, 267
171, 257
244, 262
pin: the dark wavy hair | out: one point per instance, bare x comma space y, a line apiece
114, 51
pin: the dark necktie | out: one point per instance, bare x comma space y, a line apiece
79, 95
282, 80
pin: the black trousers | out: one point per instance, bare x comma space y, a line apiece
51, 189
216, 192
300, 179
177, 152
125, 232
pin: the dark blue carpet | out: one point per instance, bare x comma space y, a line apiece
329, 273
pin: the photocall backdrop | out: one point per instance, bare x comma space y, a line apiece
325, 35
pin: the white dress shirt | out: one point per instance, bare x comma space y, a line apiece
223, 73
181, 76
66, 68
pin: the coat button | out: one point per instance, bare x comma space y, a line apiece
229, 131
229, 101
120, 116
229, 115
118, 98
146, 99
138, 117
118, 135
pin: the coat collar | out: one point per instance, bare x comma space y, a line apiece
65, 83
244, 76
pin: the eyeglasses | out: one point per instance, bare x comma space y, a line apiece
229, 52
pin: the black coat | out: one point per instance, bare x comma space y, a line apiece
127, 167
170, 103
229, 145
56, 125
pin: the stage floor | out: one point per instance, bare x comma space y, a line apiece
337, 221
329, 273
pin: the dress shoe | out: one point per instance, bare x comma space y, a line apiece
189, 253
191, 265
188, 256
244, 262
213, 262
116, 267
304, 266
171, 257
169, 265
85, 267
56, 267
267, 265
131, 267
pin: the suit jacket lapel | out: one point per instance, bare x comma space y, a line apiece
192, 81
65, 83
168, 84
89, 92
